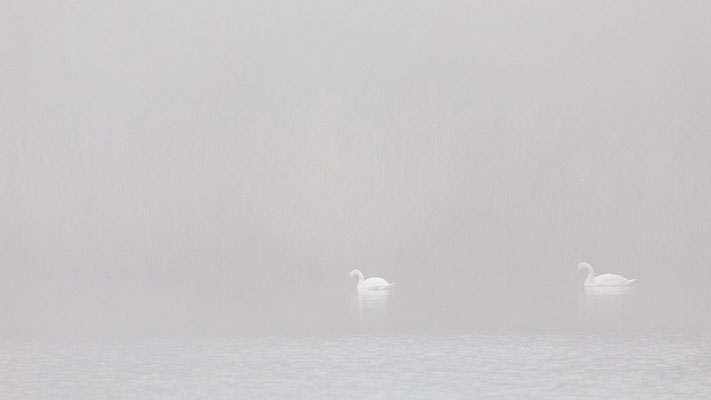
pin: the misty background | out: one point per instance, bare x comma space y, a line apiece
164, 161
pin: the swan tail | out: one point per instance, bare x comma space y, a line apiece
390, 284
630, 281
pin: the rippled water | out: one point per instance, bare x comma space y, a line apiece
356, 367
468, 341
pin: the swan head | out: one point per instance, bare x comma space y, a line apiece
353, 273
584, 265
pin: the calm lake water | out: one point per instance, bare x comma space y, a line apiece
419, 340
359, 367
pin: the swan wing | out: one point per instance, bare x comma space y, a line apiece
610, 280
374, 284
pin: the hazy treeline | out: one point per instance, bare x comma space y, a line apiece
164, 140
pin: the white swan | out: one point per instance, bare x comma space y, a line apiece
370, 283
604, 279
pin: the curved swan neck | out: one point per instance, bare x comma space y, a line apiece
360, 276
591, 273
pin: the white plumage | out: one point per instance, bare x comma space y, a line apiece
370, 283
604, 279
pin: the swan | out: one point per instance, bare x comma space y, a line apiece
604, 279
370, 283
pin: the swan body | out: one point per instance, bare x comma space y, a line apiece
370, 283
604, 279
608, 291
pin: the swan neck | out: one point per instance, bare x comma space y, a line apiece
360, 277
591, 275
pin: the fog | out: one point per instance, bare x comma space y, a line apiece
174, 167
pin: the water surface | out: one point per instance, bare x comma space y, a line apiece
356, 367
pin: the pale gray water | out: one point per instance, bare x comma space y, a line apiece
419, 340
358, 367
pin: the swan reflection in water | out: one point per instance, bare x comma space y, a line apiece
373, 304
607, 291
605, 305
606, 297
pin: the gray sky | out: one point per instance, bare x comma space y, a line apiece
490, 141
